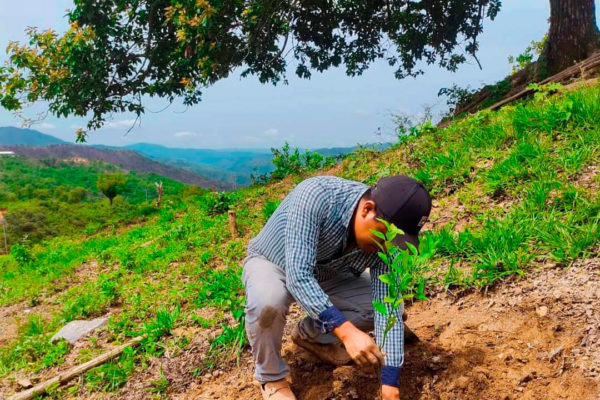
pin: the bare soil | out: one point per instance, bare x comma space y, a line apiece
536, 338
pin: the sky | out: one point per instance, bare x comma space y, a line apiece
329, 110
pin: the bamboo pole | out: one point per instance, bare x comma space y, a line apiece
75, 371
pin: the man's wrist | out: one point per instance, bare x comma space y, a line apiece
342, 331
390, 376
330, 319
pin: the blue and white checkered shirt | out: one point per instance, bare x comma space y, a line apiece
306, 236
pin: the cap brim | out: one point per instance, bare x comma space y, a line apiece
401, 240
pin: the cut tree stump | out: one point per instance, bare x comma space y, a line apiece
75, 371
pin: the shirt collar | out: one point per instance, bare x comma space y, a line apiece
349, 207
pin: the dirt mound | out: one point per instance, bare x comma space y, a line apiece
529, 339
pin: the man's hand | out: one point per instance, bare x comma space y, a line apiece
360, 346
390, 392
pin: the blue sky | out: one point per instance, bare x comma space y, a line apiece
328, 110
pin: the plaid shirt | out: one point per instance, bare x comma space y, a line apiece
306, 236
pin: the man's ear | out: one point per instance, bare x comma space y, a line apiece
367, 207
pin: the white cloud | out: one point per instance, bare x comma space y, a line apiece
184, 133
271, 132
45, 126
125, 123
361, 112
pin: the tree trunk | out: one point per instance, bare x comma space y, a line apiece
573, 34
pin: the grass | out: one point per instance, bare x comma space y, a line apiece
514, 173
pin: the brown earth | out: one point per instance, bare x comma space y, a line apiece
536, 338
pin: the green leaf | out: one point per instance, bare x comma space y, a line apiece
378, 234
384, 257
385, 278
380, 307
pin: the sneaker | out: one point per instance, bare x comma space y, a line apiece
277, 390
333, 353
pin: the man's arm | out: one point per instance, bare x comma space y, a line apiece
306, 210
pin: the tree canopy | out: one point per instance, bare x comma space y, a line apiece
117, 51
111, 185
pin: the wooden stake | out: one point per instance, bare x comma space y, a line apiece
233, 224
75, 371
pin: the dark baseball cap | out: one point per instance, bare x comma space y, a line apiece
404, 202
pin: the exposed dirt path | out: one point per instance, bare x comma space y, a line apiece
532, 339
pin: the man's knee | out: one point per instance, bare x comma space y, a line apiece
267, 309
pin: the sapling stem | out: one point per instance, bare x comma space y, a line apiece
404, 277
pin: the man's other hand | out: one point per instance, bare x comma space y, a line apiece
360, 346
390, 392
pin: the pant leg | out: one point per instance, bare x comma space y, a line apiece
267, 305
353, 297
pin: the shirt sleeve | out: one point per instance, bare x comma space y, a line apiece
394, 343
308, 207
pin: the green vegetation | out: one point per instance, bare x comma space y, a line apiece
288, 162
511, 191
405, 278
50, 198
526, 58
111, 185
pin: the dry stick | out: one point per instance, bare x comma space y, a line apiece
75, 371
233, 224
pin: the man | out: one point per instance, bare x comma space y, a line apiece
314, 250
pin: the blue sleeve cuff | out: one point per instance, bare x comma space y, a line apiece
390, 376
330, 319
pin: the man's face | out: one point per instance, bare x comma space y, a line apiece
364, 221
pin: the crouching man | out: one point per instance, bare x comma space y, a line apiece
315, 249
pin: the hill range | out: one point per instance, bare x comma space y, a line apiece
219, 168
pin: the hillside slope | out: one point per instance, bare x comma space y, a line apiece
513, 279
11, 136
127, 159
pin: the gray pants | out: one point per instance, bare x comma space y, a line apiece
268, 302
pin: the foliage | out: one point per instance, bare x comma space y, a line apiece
117, 51
405, 277
51, 198
270, 207
457, 97
217, 202
111, 185
288, 162
524, 59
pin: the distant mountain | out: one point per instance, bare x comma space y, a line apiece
231, 165
11, 136
221, 168
239, 161
127, 159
